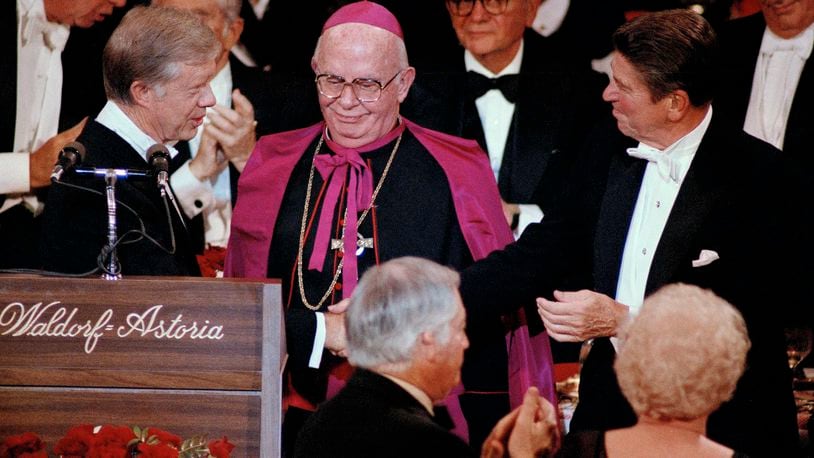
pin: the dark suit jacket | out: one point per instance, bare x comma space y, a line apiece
557, 104
75, 221
372, 416
586, 29
727, 203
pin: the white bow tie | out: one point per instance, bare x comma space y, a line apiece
667, 168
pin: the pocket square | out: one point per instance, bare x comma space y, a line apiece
704, 258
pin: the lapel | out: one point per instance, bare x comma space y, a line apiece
618, 202
8, 75
534, 127
798, 128
698, 193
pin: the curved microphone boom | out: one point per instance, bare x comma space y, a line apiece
70, 156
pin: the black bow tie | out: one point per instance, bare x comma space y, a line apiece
477, 85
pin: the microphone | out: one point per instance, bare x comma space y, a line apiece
159, 160
71, 155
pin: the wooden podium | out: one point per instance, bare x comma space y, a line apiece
190, 356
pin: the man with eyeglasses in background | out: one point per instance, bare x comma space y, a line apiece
320, 205
527, 104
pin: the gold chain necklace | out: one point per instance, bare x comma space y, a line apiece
301, 246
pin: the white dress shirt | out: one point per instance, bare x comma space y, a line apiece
777, 74
212, 197
657, 195
496, 114
117, 120
39, 97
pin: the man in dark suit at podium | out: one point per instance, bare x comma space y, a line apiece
678, 207
157, 68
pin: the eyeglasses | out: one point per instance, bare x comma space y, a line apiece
465, 7
364, 89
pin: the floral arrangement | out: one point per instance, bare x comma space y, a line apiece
87, 441
211, 261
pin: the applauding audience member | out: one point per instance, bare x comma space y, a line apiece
405, 326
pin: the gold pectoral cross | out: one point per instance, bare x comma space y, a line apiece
361, 244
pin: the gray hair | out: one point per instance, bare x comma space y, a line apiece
393, 49
393, 305
150, 45
682, 356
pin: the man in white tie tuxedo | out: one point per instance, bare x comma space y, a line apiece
31, 45
768, 76
767, 87
679, 196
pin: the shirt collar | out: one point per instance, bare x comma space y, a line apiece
414, 391
472, 64
801, 44
116, 120
683, 150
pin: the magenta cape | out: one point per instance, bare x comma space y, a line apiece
475, 196
263, 183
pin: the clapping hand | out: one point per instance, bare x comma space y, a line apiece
234, 129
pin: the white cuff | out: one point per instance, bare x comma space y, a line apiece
319, 342
14, 178
194, 195
529, 213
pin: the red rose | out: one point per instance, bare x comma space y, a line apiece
76, 443
161, 450
111, 442
212, 260
221, 448
164, 437
25, 445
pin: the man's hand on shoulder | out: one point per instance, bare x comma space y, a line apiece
42, 160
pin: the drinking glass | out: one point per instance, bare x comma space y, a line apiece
798, 345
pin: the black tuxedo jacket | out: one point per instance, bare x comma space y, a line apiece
727, 204
372, 416
75, 221
557, 104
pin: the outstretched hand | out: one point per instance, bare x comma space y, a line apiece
575, 316
336, 340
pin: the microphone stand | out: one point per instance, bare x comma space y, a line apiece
113, 268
